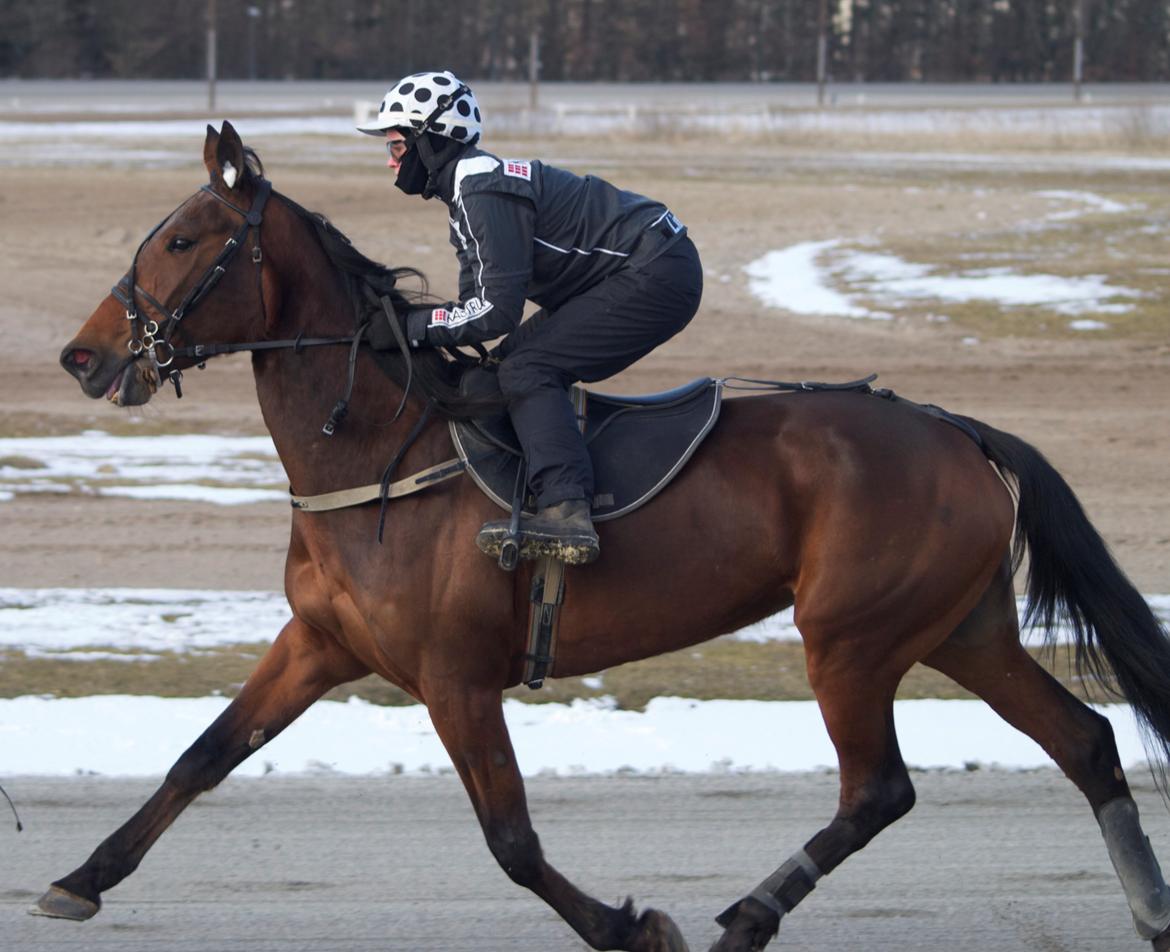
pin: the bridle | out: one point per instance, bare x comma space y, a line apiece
153, 338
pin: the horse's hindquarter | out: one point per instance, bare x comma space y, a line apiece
907, 523
852, 506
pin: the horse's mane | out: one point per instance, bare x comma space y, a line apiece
434, 374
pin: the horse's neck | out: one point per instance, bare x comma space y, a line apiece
298, 391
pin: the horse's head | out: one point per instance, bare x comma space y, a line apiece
152, 319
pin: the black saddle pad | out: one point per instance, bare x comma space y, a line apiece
638, 444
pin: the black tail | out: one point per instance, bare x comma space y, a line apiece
1072, 578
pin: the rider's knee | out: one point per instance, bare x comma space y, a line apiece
519, 376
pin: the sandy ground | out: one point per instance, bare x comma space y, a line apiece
1096, 407
987, 860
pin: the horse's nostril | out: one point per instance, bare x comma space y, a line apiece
78, 360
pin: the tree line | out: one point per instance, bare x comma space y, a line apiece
583, 40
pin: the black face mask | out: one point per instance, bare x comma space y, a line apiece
412, 173
420, 167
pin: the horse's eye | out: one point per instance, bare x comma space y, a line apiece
180, 244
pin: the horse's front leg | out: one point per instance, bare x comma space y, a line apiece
301, 665
470, 723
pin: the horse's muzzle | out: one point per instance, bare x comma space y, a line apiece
122, 382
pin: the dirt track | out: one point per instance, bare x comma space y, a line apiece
987, 860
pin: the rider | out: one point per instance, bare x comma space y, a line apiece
614, 274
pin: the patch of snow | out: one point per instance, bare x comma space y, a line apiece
224, 470
1087, 200
1087, 325
790, 278
798, 278
47, 621
217, 495
143, 736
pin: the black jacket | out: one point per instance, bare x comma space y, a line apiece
526, 230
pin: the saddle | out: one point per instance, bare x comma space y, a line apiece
637, 444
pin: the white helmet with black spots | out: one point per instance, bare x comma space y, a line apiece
411, 100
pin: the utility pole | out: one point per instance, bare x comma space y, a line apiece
822, 50
1079, 50
533, 68
211, 55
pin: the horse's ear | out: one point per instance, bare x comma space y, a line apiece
209, 145
224, 156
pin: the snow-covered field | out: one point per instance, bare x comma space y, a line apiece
142, 736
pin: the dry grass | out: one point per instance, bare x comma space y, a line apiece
722, 669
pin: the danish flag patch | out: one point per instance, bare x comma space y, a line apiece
440, 315
518, 169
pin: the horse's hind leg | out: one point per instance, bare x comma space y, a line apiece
300, 666
984, 655
471, 726
856, 700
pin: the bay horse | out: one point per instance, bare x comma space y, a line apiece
889, 530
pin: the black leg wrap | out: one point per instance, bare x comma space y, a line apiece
782, 891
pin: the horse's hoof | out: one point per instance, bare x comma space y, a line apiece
749, 927
57, 903
656, 932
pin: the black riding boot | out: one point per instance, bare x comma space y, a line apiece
563, 531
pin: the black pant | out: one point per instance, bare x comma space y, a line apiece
591, 337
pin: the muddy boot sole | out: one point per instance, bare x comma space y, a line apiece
570, 549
